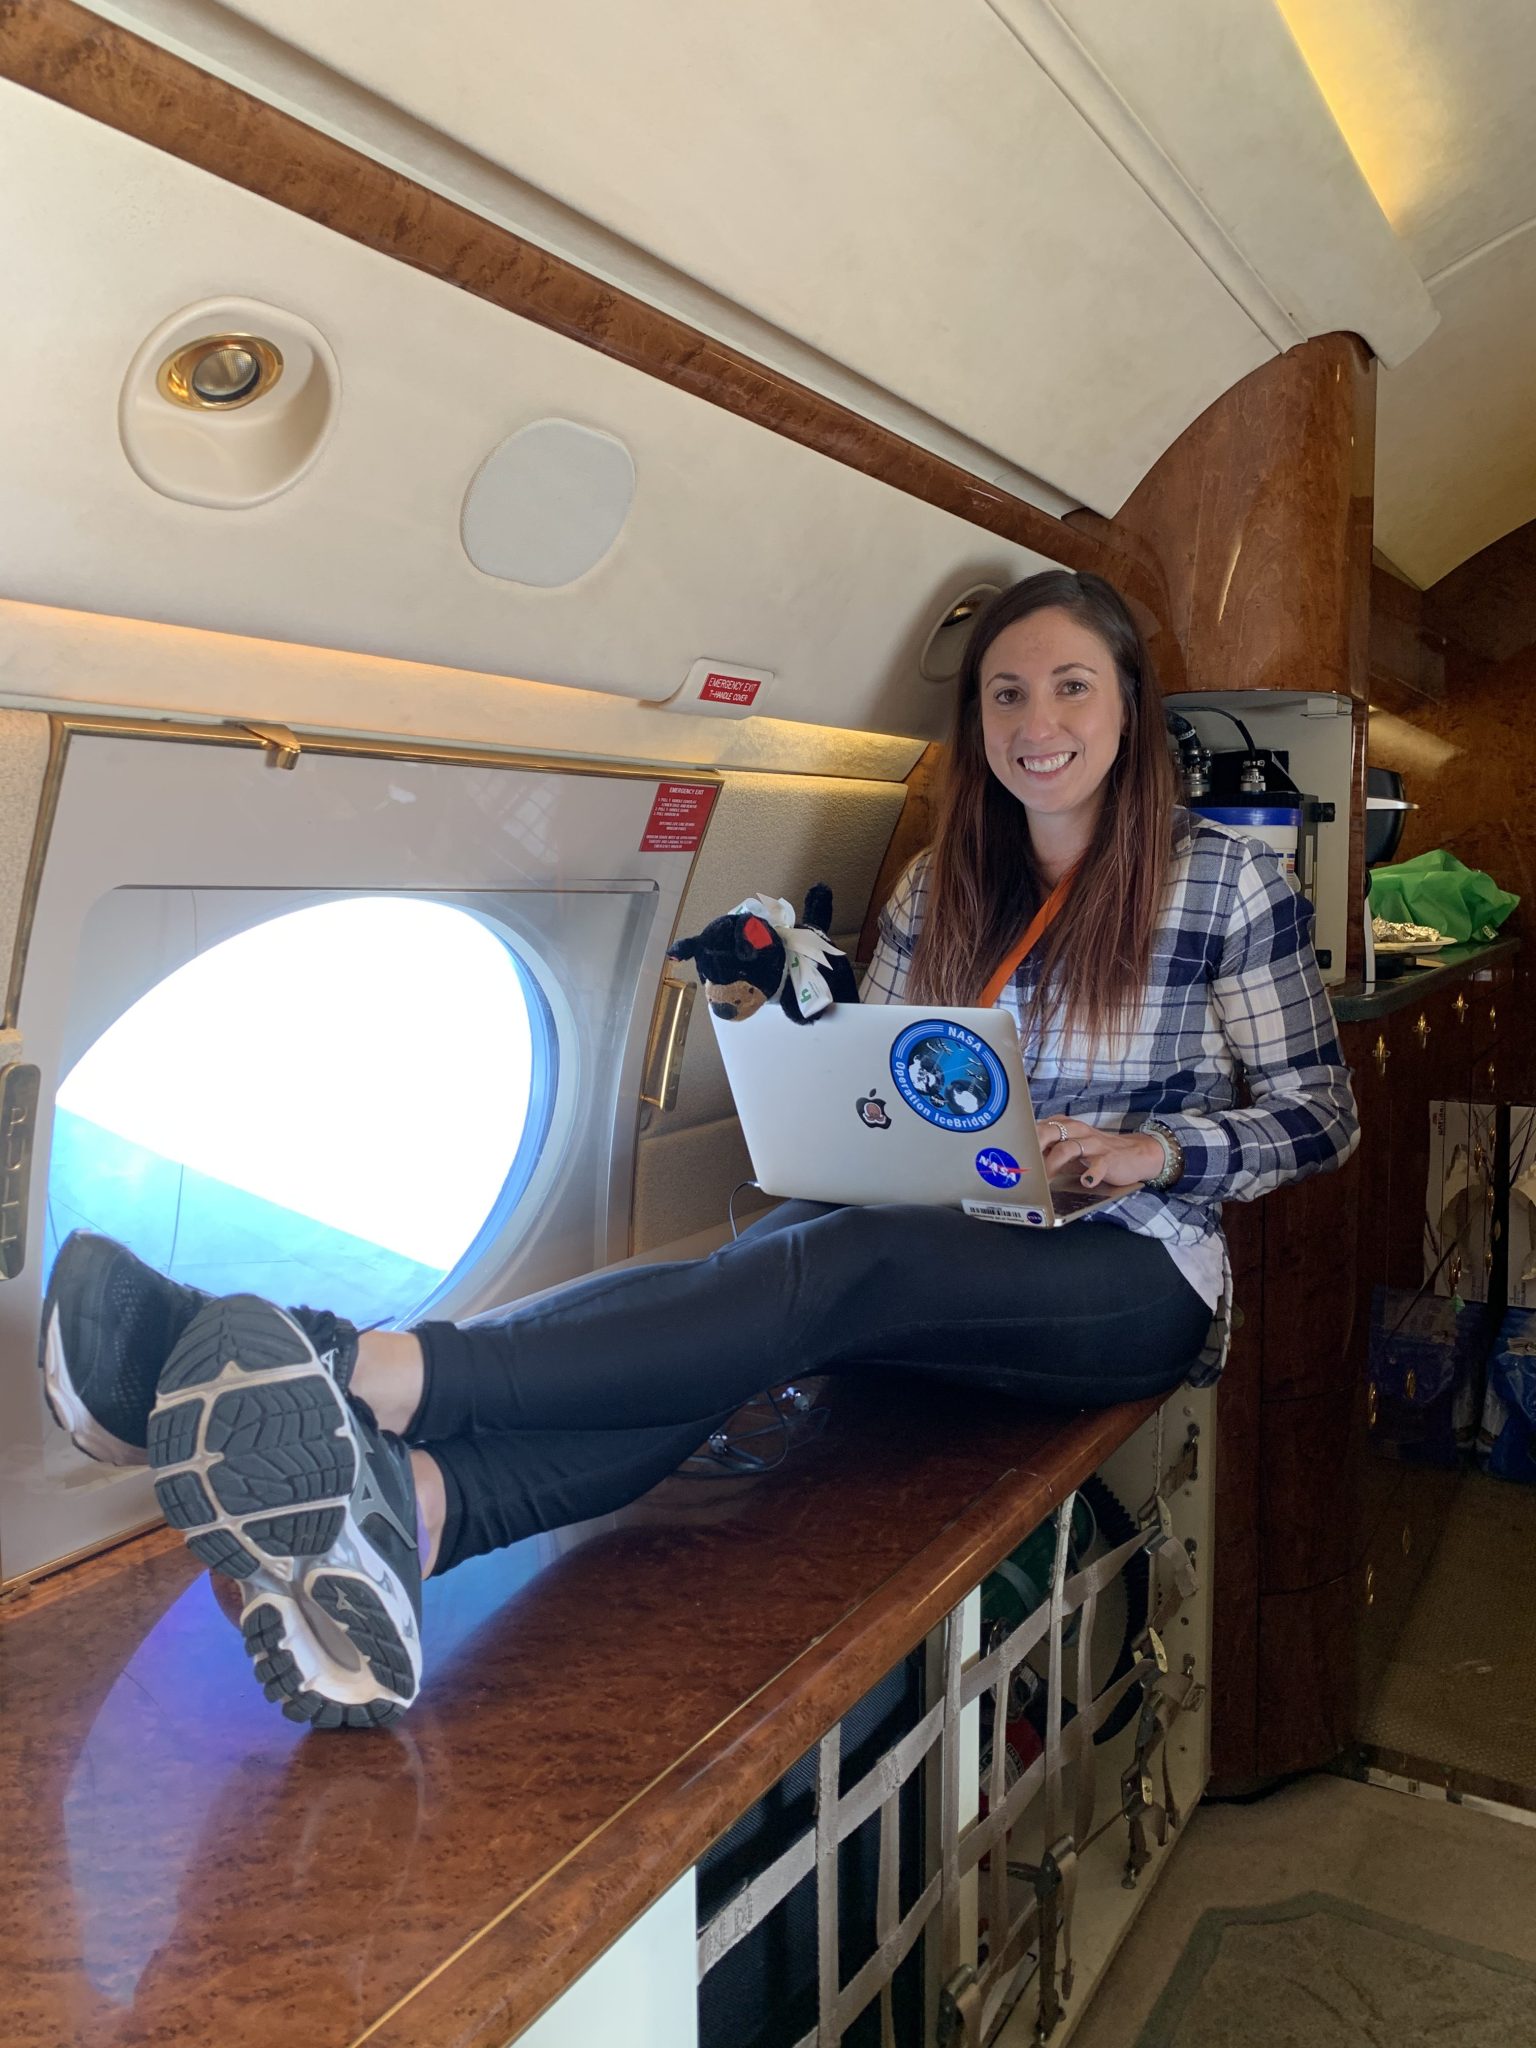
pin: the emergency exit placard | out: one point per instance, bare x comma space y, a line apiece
723, 689
678, 817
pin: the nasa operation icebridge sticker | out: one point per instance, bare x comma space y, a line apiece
949, 1076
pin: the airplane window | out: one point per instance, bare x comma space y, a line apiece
332, 1107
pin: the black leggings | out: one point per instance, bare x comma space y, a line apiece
581, 1400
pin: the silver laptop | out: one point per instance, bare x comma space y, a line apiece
878, 1102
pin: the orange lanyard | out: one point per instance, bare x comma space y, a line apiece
1039, 924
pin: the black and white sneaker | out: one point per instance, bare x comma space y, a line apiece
110, 1323
289, 1487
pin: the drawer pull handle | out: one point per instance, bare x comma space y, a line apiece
1407, 1540
1381, 1055
1370, 1585
1493, 1015
1372, 1406
1492, 1077
1421, 1030
1460, 1007
1411, 1383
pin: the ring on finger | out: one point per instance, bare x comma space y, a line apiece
1060, 1128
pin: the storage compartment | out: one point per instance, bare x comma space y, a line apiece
1308, 734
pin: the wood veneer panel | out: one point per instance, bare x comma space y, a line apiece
1260, 516
1310, 1452
1310, 1249
69, 55
1373, 1165
915, 827
1404, 652
1306, 1676
589, 1725
1243, 1223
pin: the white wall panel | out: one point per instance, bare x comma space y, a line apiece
777, 834
78, 661
684, 1178
741, 545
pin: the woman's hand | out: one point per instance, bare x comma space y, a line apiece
1108, 1159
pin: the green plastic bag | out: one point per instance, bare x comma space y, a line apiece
1436, 889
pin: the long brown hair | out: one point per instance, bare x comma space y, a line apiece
984, 883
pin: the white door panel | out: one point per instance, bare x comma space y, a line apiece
163, 849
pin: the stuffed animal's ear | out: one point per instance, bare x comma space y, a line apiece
685, 949
756, 936
818, 907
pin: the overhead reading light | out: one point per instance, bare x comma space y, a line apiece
220, 372
218, 357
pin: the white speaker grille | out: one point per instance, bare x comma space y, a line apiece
547, 504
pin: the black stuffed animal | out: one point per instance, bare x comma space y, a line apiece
758, 954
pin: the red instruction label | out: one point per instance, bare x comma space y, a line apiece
720, 689
678, 817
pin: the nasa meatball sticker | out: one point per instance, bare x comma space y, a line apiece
949, 1076
999, 1169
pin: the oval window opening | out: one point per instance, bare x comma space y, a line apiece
330, 1108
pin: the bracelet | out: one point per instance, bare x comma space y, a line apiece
1173, 1155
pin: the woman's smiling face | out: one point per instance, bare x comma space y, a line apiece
1051, 719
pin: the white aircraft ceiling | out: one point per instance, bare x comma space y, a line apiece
1438, 103
1039, 237
1058, 232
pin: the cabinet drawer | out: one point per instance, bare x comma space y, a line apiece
1307, 1478
1478, 1016
1307, 1676
1311, 1235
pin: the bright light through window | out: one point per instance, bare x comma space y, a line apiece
324, 1108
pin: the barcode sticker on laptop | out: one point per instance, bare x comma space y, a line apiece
1004, 1212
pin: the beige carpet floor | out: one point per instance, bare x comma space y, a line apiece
1333, 1915
1461, 1686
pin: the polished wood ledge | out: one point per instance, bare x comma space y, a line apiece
183, 1866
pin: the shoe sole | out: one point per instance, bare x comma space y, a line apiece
68, 1408
256, 1458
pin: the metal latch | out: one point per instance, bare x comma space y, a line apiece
959, 2011
283, 748
19, 1088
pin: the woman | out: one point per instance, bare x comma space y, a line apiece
328, 1472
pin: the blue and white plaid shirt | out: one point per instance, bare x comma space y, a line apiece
1234, 1002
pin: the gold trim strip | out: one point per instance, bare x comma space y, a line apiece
99, 1546
239, 733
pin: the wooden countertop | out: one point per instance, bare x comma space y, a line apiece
184, 1867
1354, 1000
